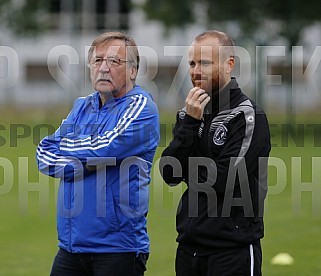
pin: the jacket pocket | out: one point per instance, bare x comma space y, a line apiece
111, 213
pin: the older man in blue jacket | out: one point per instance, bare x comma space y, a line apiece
103, 153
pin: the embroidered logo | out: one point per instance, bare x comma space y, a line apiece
181, 114
219, 136
250, 119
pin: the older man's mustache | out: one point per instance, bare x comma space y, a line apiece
104, 78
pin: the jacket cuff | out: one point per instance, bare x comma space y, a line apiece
191, 123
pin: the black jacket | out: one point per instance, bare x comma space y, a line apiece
223, 160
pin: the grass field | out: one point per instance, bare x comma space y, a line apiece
28, 239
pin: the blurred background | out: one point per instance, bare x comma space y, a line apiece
44, 48
43, 69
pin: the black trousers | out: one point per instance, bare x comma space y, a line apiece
105, 264
242, 261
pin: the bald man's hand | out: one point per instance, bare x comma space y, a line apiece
195, 102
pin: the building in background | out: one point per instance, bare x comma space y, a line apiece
51, 69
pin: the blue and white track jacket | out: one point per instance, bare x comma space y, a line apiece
103, 210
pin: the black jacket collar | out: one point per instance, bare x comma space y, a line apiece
222, 100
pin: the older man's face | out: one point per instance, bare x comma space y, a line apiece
109, 69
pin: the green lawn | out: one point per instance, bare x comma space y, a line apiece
28, 239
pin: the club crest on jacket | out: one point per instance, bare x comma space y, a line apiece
219, 136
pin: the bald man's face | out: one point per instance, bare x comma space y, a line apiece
207, 70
